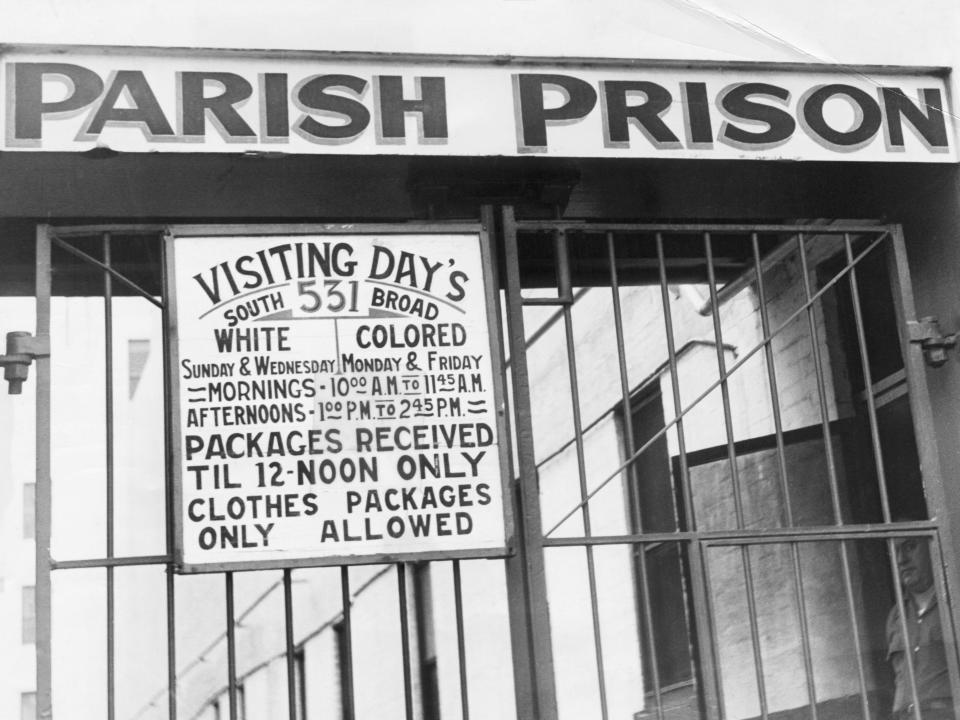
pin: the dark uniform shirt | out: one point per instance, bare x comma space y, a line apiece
929, 660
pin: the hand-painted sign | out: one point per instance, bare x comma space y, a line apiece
337, 400
181, 102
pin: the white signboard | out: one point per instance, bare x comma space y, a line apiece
337, 399
130, 100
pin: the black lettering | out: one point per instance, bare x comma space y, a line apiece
738, 102
146, 111
645, 115
313, 95
29, 107
867, 125
581, 98
430, 106
930, 125
195, 105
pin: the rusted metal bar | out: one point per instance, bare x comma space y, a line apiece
405, 640
831, 463
639, 550
712, 690
799, 594
347, 670
735, 480
290, 650
461, 640
231, 648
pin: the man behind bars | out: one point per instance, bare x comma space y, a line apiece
925, 638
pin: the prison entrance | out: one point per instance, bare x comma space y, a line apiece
722, 452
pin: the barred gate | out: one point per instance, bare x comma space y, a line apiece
722, 440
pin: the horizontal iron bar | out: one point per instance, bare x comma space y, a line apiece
110, 562
585, 226
113, 229
812, 533
109, 270
546, 300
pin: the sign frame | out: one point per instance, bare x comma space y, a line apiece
744, 144
171, 356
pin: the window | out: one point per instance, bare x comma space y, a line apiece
28, 616
28, 706
29, 510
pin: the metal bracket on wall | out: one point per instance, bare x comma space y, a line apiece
22, 348
926, 332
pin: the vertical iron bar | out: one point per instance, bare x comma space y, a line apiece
921, 412
632, 474
42, 510
108, 395
347, 604
735, 480
867, 380
461, 641
904, 630
563, 256
231, 648
405, 640
712, 690
534, 683
799, 593
168, 495
878, 461
724, 384
832, 475
290, 650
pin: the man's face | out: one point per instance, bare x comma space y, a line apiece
913, 562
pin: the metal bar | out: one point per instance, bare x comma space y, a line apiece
831, 465
647, 613
405, 640
799, 594
290, 647
559, 302
88, 230
512, 61
733, 368
712, 692
108, 398
231, 648
735, 479
946, 618
168, 495
526, 582
904, 630
922, 413
698, 228
43, 479
811, 533
347, 671
724, 388
138, 560
878, 461
772, 380
461, 640
563, 275
171, 644
867, 381
113, 273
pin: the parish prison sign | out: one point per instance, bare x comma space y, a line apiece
171, 101
337, 399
